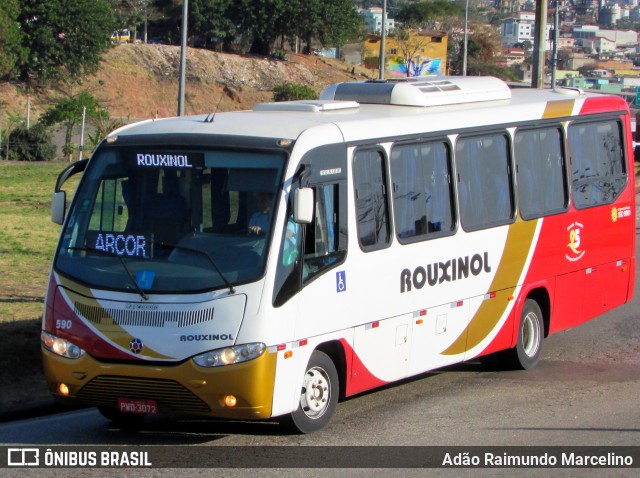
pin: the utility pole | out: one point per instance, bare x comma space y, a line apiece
554, 61
81, 146
537, 80
183, 57
383, 34
466, 39
28, 122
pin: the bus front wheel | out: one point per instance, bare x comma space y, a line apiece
526, 354
318, 396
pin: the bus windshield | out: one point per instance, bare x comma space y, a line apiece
171, 219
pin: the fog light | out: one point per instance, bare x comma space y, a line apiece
229, 401
63, 389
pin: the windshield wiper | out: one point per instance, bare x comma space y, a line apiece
124, 265
212, 262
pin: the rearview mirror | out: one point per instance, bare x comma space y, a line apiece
58, 207
303, 205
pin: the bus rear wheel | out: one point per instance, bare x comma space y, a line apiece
528, 350
318, 396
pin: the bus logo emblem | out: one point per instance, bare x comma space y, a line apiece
136, 346
620, 213
575, 250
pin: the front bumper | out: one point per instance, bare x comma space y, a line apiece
184, 388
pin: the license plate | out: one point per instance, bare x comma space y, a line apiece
129, 405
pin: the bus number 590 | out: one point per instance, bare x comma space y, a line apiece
63, 324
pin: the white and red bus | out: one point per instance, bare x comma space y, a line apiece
263, 264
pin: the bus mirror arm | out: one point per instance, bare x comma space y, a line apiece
59, 199
75, 168
303, 205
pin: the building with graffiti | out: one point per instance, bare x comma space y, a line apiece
409, 53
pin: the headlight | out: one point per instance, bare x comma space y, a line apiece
230, 355
61, 347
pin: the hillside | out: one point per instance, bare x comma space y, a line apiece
141, 81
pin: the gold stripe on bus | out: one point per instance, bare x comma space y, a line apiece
74, 286
511, 265
558, 109
122, 339
516, 250
110, 329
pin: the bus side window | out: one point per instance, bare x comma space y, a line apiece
287, 281
111, 209
484, 178
372, 210
422, 191
324, 247
597, 163
540, 172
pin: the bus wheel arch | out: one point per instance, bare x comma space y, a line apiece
530, 333
318, 396
541, 296
335, 351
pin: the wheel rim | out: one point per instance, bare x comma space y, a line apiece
531, 334
316, 393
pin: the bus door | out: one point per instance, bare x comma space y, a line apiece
382, 339
315, 252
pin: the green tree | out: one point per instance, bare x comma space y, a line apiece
487, 69
526, 45
132, 14
585, 70
211, 19
485, 44
102, 124
31, 144
628, 23
331, 22
261, 23
337, 22
264, 21
64, 39
483, 49
416, 15
12, 52
68, 112
293, 91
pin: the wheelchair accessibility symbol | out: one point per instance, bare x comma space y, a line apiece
341, 281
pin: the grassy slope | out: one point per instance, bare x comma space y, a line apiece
141, 81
